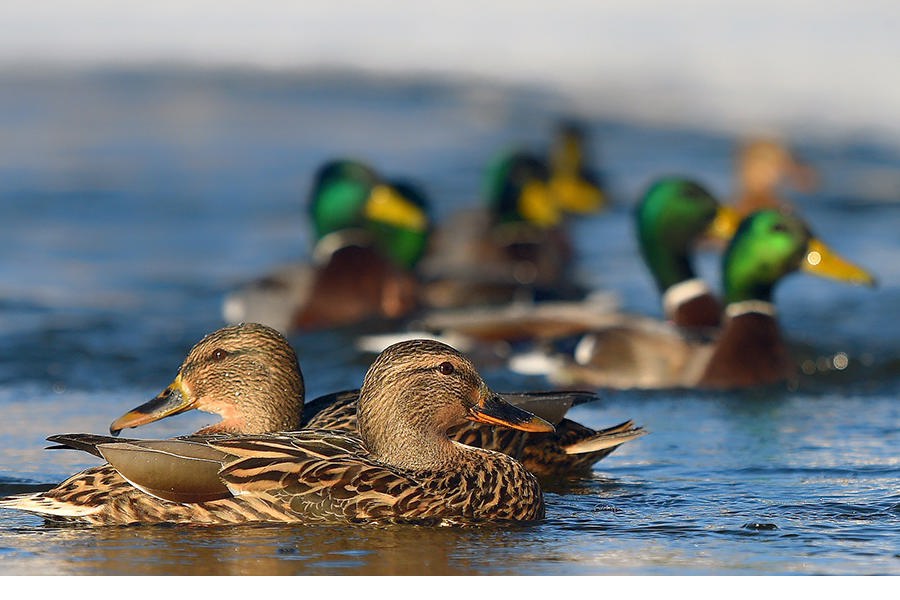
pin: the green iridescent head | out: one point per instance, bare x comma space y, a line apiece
350, 195
338, 196
671, 217
768, 245
402, 224
517, 191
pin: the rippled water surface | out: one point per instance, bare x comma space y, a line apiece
131, 201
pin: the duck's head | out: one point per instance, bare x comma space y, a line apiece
574, 185
248, 374
518, 191
672, 216
418, 389
349, 195
340, 191
770, 244
764, 163
398, 215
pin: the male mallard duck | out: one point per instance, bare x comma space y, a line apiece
369, 234
671, 218
400, 467
748, 350
573, 182
518, 246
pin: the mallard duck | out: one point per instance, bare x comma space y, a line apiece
748, 350
673, 215
517, 245
400, 467
369, 234
763, 164
575, 185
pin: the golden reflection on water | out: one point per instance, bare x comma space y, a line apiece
265, 550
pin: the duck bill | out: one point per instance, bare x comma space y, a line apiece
173, 400
387, 205
823, 261
493, 410
724, 224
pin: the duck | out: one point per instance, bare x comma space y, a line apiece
399, 467
674, 215
369, 233
516, 246
749, 348
762, 165
249, 376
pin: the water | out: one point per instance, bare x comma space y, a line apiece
130, 201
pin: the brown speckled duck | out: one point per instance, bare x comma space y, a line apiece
401, 467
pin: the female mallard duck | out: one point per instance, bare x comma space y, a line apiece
249, 375
401, 466
762, 165
518, 246
369, 234
748, 350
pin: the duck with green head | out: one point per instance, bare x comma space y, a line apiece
517, 247
748, 350
671, 218
368, 236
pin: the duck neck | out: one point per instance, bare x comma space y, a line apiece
668, 266
409, 444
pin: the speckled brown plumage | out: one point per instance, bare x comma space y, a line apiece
403, 468
272, 399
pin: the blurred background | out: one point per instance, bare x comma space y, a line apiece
822, 66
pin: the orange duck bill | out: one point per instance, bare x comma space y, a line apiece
494, 410
171, 401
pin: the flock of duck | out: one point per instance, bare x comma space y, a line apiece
424, 439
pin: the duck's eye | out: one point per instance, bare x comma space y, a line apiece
446, 368
219, 354
780, 227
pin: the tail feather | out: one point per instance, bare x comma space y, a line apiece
606, 438
44, 506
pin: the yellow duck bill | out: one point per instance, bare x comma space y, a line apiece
823, 261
